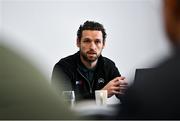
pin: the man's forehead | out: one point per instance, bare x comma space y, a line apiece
92, 33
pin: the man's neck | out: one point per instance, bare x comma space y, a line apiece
89, 65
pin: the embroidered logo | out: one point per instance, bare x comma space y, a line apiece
79, 82
100, 80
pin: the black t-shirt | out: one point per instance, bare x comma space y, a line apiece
87, 73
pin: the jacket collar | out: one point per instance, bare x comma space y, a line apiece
100, 62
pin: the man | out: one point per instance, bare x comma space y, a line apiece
87, 70
157, 96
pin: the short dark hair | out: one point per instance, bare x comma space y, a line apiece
91, 25
178, 9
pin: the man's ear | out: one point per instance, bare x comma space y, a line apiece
104, 44
78, 42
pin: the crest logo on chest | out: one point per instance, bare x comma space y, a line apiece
101, 80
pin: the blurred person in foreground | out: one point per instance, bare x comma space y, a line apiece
25, 94
158, 95
87, 70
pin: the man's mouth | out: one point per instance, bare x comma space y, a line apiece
91, 53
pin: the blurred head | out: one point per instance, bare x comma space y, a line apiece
91, 40
172, 20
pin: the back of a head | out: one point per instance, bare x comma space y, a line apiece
172, 20
25, 93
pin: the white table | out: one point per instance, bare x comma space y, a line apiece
89, 108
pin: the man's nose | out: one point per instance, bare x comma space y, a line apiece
92, 45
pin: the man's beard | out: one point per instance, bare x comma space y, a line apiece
85, 57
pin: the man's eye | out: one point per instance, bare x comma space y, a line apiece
87, 41
98, 42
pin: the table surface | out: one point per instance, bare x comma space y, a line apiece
89, 107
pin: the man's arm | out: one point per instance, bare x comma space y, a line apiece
60, 80
116, 84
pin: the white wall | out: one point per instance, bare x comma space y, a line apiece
45, 30
0, 15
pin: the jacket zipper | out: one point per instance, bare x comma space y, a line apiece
86, 81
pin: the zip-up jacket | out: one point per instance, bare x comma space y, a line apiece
67, 74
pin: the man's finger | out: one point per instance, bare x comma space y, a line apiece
116, 88
117, 83
123, 88
116, 92
116, 79
121, 77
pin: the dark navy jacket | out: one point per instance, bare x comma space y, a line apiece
67, 73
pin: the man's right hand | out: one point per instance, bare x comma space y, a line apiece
116, 86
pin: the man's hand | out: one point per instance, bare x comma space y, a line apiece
116, 86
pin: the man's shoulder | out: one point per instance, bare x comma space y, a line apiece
68, 60
107, 61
